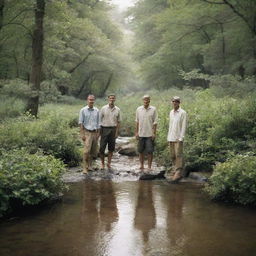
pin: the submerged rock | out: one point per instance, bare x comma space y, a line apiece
148, 176
128, 150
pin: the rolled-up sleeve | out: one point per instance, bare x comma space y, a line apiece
81, 117
119, 118
100, 116
183, 126
98, 120
137, 116
155, 117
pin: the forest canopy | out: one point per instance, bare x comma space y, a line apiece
216, 37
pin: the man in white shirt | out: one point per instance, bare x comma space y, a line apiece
110, 119
89, 131
145, 132
176, 134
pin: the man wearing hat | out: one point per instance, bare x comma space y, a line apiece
176, 134
145, 132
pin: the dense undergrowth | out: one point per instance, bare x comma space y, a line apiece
28, 179
221, 131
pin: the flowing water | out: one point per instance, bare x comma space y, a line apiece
132, 218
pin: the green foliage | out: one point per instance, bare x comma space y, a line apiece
234, 180
81, 46
181, 35
10, 107
27, 179
217, 128
51, 135
49, 92
223, 85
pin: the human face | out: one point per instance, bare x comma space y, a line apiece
111, 100
90, 101
146, 102
175, 104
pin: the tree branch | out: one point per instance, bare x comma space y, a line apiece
240, 15
81, 62
19, 24
13, 18
212, 2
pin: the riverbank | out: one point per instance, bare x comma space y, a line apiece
125, 167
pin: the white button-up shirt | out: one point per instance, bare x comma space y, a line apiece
109, 117
146, 117
177, 125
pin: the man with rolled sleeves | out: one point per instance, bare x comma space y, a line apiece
176, 134
89, 131
110, 118
145, 132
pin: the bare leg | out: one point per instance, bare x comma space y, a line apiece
102, 158
150, 158
110, 154
141, 157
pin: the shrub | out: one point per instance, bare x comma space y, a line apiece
10, 107
51, 135
48, 92
27, 179
234, 180
217, 128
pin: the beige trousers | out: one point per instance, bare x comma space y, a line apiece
90, 149
176, 149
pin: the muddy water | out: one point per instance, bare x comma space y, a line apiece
132, 218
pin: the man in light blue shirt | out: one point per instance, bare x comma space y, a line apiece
89, 131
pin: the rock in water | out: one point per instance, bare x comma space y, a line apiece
148, 176
128, 150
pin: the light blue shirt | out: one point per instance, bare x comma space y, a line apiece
89, 117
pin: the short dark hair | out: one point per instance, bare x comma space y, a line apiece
90, 95
111, 94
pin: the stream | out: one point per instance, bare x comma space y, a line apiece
116, 214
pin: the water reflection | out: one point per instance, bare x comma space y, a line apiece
132, 219
145, 216
98, 216
174, 222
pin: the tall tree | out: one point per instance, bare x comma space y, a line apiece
37, 57
1, 13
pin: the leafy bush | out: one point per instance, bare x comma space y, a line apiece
234, 180
10, 107
224, 85
48, 92
27, 179
217, 128
51, 135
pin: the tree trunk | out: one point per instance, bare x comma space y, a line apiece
107, 84
1, 13
83, 85
81, 62
2, 2
223, 45
37, 57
